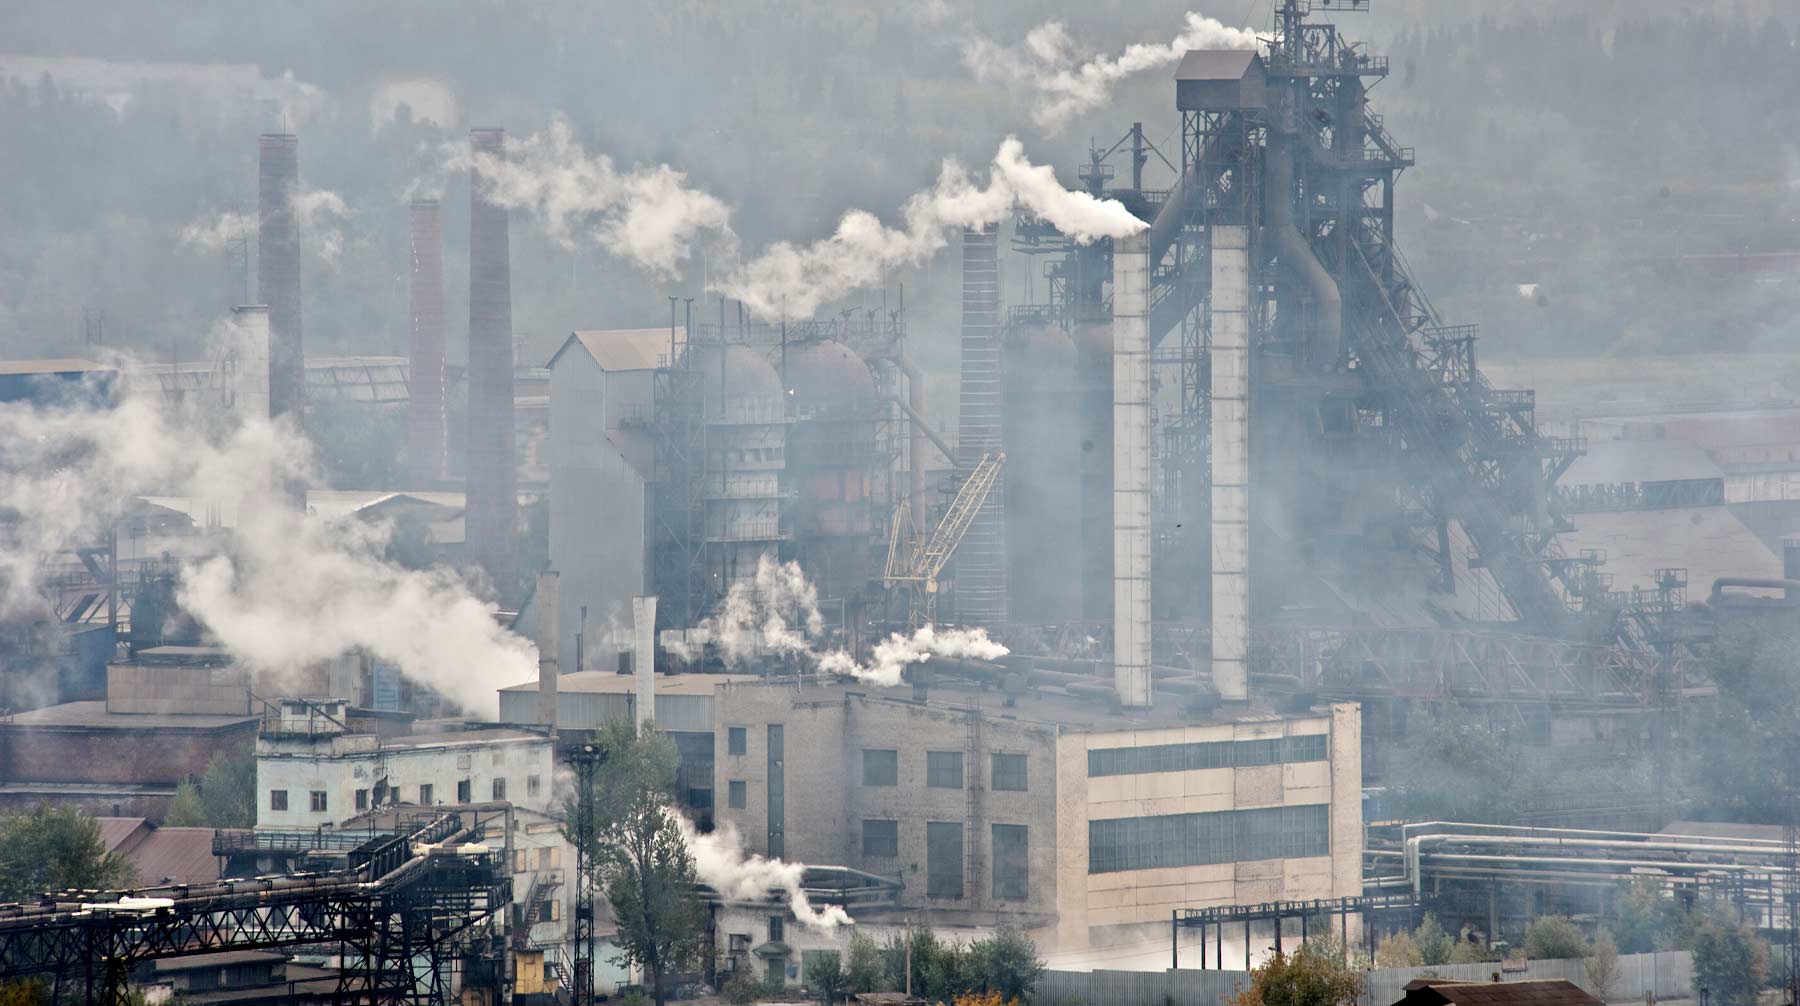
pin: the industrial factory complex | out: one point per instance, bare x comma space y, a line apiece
1231, 515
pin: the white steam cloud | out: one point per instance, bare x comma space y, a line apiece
776, 611
892, 655
648, 215
791, 281
721, 864
320, 216
1064, 84
286, 590
216, 232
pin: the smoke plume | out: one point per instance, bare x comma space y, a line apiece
218, 231
648, 215
320, 215
777, 610
720, 861
285, 590
892, 655
1046, 64
791, 281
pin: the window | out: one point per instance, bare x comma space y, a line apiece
362, 799
1206, 754
943, 769
317, 799
1143, 843
943, 859
739, 943
774, 929
881, 838
1008, 772
546, 857
499, 789
278, 799
736, 740
532, 785
1305, 747
463, 791
425, 794
737, 794
1012, 862
881, 767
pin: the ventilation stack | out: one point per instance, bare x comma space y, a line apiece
981, 558
547, 598
249, 382
278, 268
1231, 462
643, 657
425, 410
490, 471
1131, 469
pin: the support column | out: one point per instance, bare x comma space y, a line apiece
1231, 462
1131, 469
643, 657
981, 558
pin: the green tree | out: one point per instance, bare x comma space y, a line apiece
1645, 917
1456, 767
640, 856
864, 968
185, 810
1310, 977
825, 976
228, 790
1603, 966
1553, 937
1434, 944
1749, 768
1398, 951
1006, 963
57, 847
1731, 963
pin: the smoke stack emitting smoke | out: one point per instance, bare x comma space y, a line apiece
1045, 63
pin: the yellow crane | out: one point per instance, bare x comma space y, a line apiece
919, 564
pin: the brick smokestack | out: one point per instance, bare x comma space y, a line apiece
278, 268
492, 498
549, 639
425, 420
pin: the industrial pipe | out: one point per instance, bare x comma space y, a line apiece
1790, 588
1167, 225
1296, 253
921, 426
915, 395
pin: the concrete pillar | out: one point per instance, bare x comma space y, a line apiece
1131, 469
249, 356
1231, 462
643, 656
548, 599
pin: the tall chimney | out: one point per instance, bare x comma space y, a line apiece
1131, 469
425, 415
643, 656
1231, 462
492, 500
278, 268
547, 598
250, 376
981, 558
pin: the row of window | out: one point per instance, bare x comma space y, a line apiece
319, 802
943, 769
1207, 754
1227, 836
1011, 847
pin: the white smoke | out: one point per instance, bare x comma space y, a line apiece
892, 655
721, 864
1065, 85
791, 281
320, 217
648, 215
217, 232
776, 611
285, 591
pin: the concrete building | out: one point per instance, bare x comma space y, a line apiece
1049, 811
312, 771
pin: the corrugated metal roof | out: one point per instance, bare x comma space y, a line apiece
609, 682
62, 366
1708, 542
1550, 992
1215, 64
174, 855
621, 349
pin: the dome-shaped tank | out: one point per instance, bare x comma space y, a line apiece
740, 372
1043, 432
827, 374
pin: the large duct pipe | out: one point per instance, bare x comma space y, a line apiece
643, 657
1296, 253
915, 410
548, 600
1167, 225
1231, 462
425, 410
490, 471
278, 268
1131, 469
250, 371
981, 558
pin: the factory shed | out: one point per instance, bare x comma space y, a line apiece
1221, 78
1440, 992
47, 381
161, 855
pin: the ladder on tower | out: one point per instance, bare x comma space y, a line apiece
928, 558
